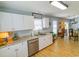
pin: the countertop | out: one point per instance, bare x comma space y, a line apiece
23, 39
20, 40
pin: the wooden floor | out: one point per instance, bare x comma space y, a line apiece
61, 48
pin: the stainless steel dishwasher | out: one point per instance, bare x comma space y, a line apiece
33, 46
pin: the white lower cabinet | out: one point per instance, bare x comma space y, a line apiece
45, 41
18, 50
49, 39
14, 50
41, 42
25, 49
7, 52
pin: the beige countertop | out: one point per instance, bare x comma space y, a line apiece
20, 40
23, 39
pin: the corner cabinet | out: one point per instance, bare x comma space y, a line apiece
14, 22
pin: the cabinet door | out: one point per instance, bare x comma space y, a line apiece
17, 22
6, 22
25, 49
45, 41
7, 52
28, 22
42, 42
17, 50
12, 51
49, 39
22, 49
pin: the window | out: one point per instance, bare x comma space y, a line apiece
66, 25
38, 24
45, 22
55, 27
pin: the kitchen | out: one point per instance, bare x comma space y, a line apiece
26, 28
15, 45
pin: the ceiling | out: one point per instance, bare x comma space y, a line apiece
43, 7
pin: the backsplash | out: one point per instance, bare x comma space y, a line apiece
23, 32
29, 32
46, 30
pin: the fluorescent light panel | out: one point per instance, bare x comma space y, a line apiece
59, 5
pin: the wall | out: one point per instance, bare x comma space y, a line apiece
51, 20
57, 19
23, 33
15, 11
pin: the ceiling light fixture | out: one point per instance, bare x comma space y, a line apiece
59, 4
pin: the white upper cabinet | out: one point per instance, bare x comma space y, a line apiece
5, 22
45, 22
14, 22
28, 22
17, 22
